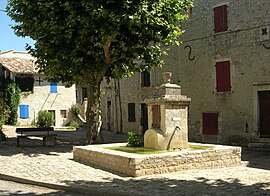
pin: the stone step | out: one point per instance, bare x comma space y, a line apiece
259, 145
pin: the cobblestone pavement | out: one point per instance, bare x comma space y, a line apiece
54, 167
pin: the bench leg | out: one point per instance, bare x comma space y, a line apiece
18, 140
50, 139
44, 141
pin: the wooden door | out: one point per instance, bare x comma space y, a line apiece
264, 108
156, 116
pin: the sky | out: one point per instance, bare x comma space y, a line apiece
8, 39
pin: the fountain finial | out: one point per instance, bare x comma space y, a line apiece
167, 77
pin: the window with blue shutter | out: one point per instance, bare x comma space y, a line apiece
24, 110
53, 87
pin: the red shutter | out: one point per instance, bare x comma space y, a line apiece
219, 77
227, 76
210, 123
223, 76
220, 18
224, 18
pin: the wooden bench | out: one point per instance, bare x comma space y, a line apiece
44, 132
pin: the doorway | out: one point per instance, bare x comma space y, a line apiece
144, 117
54, 118
109, 115
264, 113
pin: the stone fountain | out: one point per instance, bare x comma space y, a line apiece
168, 122
167, 117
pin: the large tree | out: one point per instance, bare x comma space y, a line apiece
83, 41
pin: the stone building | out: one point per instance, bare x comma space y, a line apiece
36, 92
222, 65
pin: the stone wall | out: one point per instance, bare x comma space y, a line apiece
140, 165
42, 99
237, 110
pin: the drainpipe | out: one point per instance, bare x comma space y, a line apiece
115, 103
120, 106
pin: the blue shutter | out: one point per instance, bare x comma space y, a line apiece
24, 110
53, 88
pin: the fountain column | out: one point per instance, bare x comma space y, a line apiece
167, 117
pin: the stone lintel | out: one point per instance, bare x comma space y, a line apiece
174, 100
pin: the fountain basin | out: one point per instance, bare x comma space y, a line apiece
129, 164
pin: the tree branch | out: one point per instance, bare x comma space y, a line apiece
108, 58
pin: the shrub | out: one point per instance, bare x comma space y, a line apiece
45, 119
11, 102
1, 120
73, 125
134, 140
4, 115
75, 109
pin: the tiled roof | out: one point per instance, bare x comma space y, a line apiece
18, 62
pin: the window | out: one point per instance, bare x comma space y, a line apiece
25, 84
223, 76
84, 93
24, 110
53, 87
131, 112
210, 123
63, 113
145, 79
220, 18
39, 81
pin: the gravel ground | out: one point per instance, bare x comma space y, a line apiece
54, 166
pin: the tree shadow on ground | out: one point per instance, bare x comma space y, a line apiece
159, 186
66, 139
163, 186
32, 193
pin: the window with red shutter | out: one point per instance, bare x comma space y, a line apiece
220, 18
223, 76
210, 123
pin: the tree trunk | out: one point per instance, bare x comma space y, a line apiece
93, 113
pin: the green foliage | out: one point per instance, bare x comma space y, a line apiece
45, 119
84, 41
136, 150
4, 114
1, 120
77, 39
73, 125
134, 140
11, 102
75, 109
